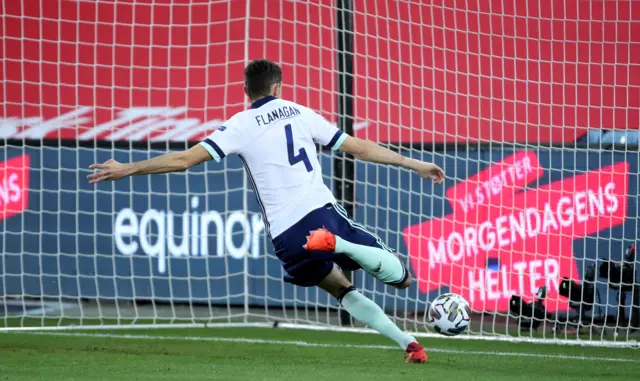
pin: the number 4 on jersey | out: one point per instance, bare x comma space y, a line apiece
302, 153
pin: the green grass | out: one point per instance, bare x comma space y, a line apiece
218, 354
30, 321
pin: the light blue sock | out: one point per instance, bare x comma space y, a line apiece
367, 312
378, 262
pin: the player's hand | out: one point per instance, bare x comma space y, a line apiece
110, 170
431, 171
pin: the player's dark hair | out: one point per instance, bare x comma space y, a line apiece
259, 76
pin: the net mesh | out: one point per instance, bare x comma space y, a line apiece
505, 96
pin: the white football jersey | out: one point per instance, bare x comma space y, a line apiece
276, 139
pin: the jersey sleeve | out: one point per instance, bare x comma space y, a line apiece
224, 141
326, 133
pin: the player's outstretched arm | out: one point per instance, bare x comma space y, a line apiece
369, 151
170, 162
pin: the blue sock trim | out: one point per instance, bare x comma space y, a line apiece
345, 292
402, 280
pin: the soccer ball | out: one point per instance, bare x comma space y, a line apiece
449, 314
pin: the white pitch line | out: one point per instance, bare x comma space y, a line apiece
319, 345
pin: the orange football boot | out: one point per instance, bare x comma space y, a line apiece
415, 354
321, 240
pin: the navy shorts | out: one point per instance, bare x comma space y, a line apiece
307, 268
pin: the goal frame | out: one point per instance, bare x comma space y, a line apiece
344, 179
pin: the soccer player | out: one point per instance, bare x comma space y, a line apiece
313, 236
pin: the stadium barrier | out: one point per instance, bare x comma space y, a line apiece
536, 216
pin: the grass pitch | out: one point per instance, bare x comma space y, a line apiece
258, 354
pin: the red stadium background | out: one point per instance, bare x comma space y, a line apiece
443, 71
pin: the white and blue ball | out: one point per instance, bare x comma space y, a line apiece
449, 314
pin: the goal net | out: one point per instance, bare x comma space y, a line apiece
532, 108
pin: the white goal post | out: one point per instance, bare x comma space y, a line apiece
532, 108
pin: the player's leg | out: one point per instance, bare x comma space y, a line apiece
317, 268
363, 248
380, 263
366, 311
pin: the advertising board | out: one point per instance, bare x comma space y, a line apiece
534, 71
505, 222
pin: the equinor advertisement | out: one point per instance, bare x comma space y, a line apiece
504, 223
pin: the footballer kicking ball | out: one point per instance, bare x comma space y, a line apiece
449, 314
